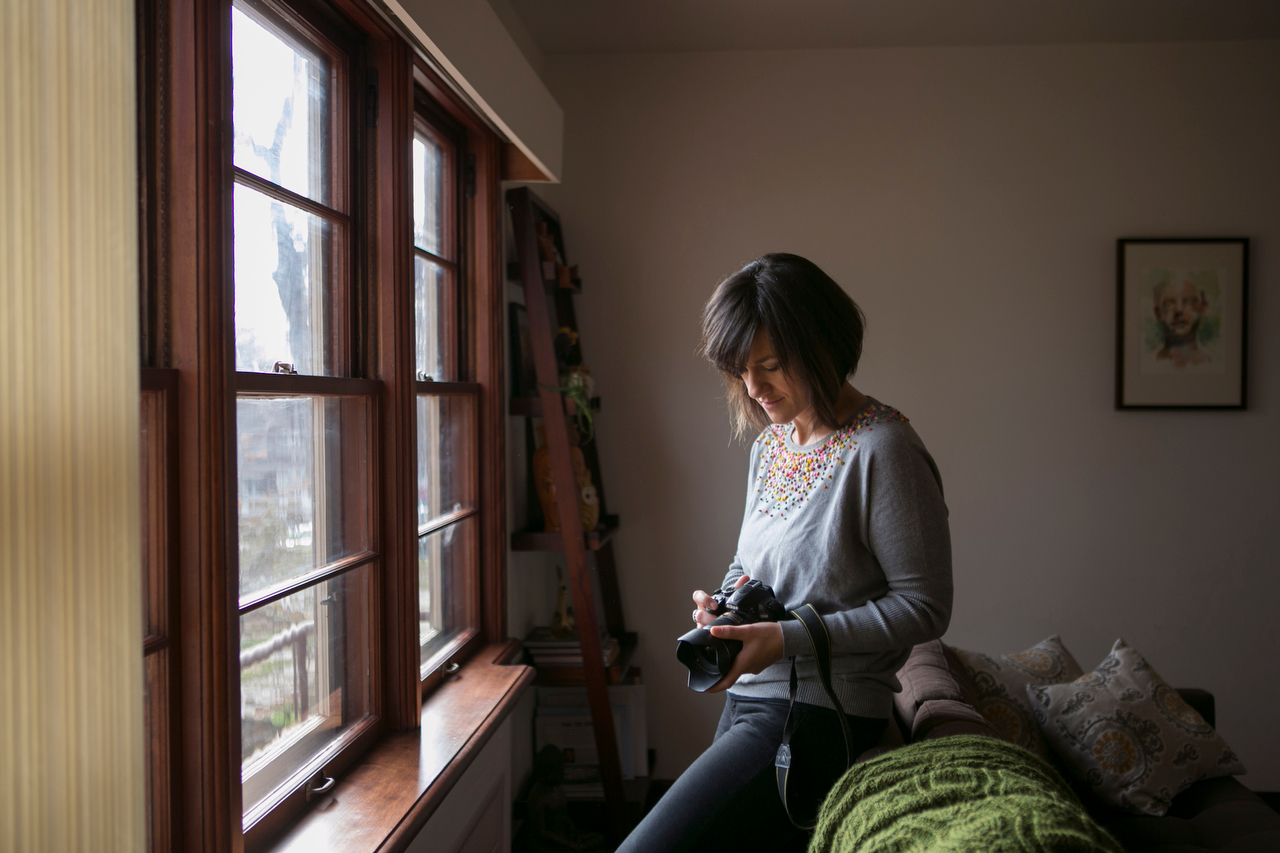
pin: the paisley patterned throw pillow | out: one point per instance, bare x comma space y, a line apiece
1001, 687
1129, 735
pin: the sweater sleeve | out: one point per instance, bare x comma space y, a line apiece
903, 523
731, 577
736, 569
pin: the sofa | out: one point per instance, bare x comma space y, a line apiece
1218, 814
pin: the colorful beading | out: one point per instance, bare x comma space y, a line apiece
789, 478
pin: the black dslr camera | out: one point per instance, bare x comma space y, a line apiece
709, 658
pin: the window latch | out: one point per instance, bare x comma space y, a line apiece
284, 367
319, 784
423, 376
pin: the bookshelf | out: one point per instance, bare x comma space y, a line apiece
548, 293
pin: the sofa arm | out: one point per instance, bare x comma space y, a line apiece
1201, 701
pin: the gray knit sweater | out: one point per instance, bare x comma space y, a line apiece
856, 526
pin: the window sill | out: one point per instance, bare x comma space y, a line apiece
387, 797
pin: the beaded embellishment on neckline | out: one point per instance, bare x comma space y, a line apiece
789, 478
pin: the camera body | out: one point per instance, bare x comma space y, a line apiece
710, 658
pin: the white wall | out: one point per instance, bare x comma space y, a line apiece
486, 52
969, 199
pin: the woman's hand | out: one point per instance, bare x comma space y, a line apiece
761, 648
761, 642
700, 598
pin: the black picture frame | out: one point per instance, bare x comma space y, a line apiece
1182, 311
524, 379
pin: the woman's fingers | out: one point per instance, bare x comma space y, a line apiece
705, 602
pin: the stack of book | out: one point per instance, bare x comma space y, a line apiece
548, 651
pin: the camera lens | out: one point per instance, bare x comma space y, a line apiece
707, 660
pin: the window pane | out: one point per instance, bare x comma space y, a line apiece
434, 321
284, 270
303, 484
446, 455
428, 196
280, 103
304, 679
446, 561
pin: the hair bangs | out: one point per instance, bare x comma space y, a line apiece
729, 327
815, 327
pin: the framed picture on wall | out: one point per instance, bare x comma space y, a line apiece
1181, 323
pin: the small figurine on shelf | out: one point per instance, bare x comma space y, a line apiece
547, 245
578, 387
563, 625
579, 375
588, 499
549, 828
550, 255
566, 276
566, 342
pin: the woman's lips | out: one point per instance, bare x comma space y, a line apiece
768, 404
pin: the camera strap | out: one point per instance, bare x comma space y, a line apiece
805, 816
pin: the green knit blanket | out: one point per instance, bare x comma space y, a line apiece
962, 794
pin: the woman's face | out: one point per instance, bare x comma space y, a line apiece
783, 399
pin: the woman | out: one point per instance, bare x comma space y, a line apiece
845, 512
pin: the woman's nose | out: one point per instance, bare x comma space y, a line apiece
754, 385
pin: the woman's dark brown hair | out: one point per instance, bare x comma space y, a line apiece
815, 327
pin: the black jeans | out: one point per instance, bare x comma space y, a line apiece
728, 798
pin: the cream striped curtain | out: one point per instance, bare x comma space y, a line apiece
71, 754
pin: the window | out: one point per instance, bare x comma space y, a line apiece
446, 408
322, 407
306, 555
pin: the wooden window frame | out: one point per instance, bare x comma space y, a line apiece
482, 296
435, 123
187, 315
160, 645
307, 758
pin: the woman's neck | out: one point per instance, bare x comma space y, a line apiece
807, 429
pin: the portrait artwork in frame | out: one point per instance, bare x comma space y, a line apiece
1181, 323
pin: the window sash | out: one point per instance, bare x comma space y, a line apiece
435, 651
331, 307
268, 782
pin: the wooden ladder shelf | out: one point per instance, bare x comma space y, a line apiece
550, 307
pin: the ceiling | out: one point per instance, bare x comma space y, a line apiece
666, 26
